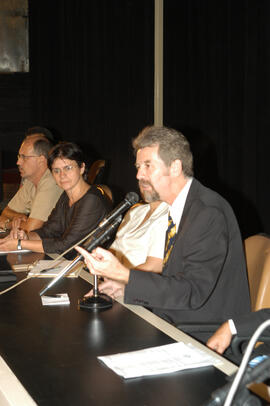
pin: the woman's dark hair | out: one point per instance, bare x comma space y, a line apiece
66, 150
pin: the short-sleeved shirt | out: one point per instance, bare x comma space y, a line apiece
37, 201
135, 241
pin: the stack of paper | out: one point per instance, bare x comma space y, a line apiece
59, 299
159, 360
51, 268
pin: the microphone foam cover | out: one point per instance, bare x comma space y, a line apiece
132, 197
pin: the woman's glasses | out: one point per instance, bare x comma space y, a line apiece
65, 169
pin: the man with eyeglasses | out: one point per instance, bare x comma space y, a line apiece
38, 194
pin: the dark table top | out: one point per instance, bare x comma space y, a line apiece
53, 352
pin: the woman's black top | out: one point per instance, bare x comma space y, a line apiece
68, 225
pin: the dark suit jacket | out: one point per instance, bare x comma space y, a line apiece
247, 324
205, 277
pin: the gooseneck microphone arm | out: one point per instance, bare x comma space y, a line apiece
100, 235
131, 197
95, 241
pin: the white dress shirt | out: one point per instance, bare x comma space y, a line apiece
176, 209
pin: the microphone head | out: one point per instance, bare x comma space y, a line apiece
132, 198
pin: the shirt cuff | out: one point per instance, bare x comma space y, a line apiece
232, 327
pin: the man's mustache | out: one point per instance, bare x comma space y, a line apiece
144, 183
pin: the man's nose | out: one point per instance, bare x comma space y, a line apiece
140, 173
19, 161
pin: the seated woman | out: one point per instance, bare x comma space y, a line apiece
79, 210
139, 242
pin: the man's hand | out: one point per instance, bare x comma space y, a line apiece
110, 288
8, 244
221, 339
17, 233
18, 220
4, 222
103, 263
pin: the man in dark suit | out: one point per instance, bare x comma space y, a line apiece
204, 266
243, 326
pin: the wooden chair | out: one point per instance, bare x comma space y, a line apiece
106, 191
257, 249
95, 171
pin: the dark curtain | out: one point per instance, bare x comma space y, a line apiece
92, 82
92, 72
216, 90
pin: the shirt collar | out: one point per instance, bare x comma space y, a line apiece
177, 208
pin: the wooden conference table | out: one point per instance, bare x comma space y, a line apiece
49, 353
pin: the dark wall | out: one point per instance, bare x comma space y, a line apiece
217, 90
92, 72
91, 80
15, 114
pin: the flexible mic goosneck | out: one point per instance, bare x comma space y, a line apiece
102, 233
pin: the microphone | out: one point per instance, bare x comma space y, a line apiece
96, 240
130, 199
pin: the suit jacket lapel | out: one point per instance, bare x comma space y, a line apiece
190, 198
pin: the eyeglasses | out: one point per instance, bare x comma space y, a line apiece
24, 157
65, 169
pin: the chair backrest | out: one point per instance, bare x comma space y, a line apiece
106, 191
94, 170
257, 250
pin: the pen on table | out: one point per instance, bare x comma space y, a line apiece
57, 268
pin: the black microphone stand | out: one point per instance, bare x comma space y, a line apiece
99, 300
99, 236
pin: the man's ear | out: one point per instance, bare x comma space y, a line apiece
43, 160
176, 168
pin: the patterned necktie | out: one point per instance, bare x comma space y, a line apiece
170, 238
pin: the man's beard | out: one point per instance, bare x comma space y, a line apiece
151, 195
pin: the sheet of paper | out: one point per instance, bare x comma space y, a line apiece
158, 360
22, 251
59, 299
50, 268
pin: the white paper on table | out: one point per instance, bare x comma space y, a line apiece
50, 268
158, 360
58, 299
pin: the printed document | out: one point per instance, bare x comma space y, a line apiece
159, 360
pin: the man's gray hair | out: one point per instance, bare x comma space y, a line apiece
172, 145
41, 145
